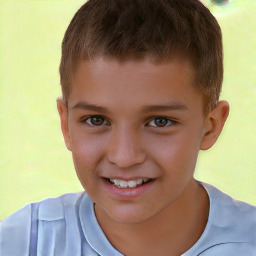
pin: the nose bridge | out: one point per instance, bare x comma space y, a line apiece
125, 147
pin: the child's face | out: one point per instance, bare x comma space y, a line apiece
131, 121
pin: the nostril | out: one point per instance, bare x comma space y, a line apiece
125, 160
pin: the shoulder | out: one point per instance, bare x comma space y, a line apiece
232, 217
19, 231
52, 209
231, 227
232, 224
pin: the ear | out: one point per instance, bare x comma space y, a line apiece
63, 113
214, 123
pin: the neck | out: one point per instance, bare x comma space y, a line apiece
171, 232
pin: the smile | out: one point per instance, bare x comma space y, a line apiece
128, 188
129, 184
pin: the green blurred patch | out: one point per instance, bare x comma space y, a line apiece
34, 162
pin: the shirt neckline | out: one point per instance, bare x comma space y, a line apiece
207, 188
99, 242
92, 230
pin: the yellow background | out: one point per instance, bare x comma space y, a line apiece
34, 162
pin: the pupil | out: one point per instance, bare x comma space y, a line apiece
161, 122
97, 120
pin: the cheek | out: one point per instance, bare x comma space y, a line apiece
87, 153
177, 152
85, 147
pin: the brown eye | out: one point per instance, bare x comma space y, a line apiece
161, 122
96, 121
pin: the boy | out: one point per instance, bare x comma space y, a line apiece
141, 83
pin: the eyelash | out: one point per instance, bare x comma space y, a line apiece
105, 122
84, 120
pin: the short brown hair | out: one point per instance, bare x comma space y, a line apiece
161, 29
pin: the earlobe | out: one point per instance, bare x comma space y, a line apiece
63, 113
214, 123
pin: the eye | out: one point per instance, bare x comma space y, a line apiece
161, 122
95, 121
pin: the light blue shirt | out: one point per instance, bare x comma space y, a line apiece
67, 226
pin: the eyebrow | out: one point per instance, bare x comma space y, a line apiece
145, 109
87, 106
165, 107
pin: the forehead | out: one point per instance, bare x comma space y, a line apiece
143, 68
134, 82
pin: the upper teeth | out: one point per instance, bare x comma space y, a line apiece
128, 184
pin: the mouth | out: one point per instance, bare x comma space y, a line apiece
126, 184
121, 188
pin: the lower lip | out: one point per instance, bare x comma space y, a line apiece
126, 193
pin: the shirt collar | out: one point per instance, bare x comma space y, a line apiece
92, 230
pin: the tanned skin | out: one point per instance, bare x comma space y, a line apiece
138, 119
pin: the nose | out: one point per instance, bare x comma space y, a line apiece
125, 149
